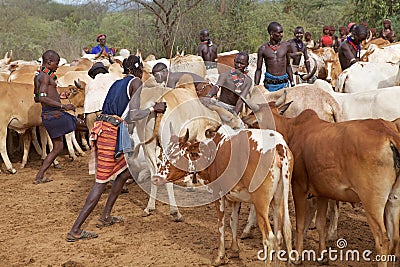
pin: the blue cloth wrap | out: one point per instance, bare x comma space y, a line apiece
275, 87
57, 122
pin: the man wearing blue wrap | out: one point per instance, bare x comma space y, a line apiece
54, 118
276, 55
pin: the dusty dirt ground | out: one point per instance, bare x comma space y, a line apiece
34, 221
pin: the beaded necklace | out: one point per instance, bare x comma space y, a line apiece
274, 47
49, 72
356, 47
299, 48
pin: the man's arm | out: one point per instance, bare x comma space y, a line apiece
257, 75
243, 95
306, 59
289, 70
348, 54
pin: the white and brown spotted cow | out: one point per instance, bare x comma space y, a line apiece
248, 165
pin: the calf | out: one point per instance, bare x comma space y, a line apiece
251, 165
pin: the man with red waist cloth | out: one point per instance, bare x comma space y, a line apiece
107, 135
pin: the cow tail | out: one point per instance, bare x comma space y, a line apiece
153, 136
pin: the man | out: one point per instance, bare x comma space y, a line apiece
56, 121
101, 48
298, 49
234, 84
277, 60
108, 132
207, 50
387, 33
162, 74
349, 50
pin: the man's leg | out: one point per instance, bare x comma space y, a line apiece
90, 204
113, 195
57, 149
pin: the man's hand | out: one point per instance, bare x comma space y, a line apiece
69, 107
160, 107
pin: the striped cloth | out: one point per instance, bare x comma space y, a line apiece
104, 138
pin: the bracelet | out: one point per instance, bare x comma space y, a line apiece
210, 95
151, 109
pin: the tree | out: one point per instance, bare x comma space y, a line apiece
167, 14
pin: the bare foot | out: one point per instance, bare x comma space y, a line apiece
42, 181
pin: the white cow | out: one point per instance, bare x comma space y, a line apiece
364, 76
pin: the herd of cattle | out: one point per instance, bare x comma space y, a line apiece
338, 138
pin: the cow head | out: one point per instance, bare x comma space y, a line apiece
182, 157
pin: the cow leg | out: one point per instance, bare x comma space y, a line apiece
392, 218
234, 223
221, 257
26, 137
333, 213
35, 141
310, 215
174, 211
300, 206
374, 208
3, 151
268, 237
322, 206
277, 202
70, 146
85, 144
151, 205
76, 145
251, 223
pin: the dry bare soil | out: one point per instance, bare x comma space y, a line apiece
34, 221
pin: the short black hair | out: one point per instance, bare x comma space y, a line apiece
132, 64
158, 67
359, 30
273, 25
242, 54
50, 54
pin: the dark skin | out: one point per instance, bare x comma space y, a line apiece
172, 78
208, 53
299, 49
275, 63
230, 94
43, 83
95, 193
347, 54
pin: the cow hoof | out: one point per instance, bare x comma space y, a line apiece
233, 254
22, 166
12, 171
147, 212
220, 261
176, 216
246, 235
57, 166
296, 261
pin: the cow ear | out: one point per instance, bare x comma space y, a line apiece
284, 107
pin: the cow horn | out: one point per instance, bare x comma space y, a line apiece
281, 99
369, 38
313, 71
186, 137
78, 83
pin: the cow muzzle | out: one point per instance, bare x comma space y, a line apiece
158, 180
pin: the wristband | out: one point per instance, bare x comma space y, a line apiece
210, 95
151, 109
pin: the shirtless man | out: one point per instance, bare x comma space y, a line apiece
234, 84
54, 118
207, 50
299, 49
349, 50
277, 60
161, 74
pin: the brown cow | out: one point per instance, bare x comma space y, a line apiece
352, 161
250, 165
